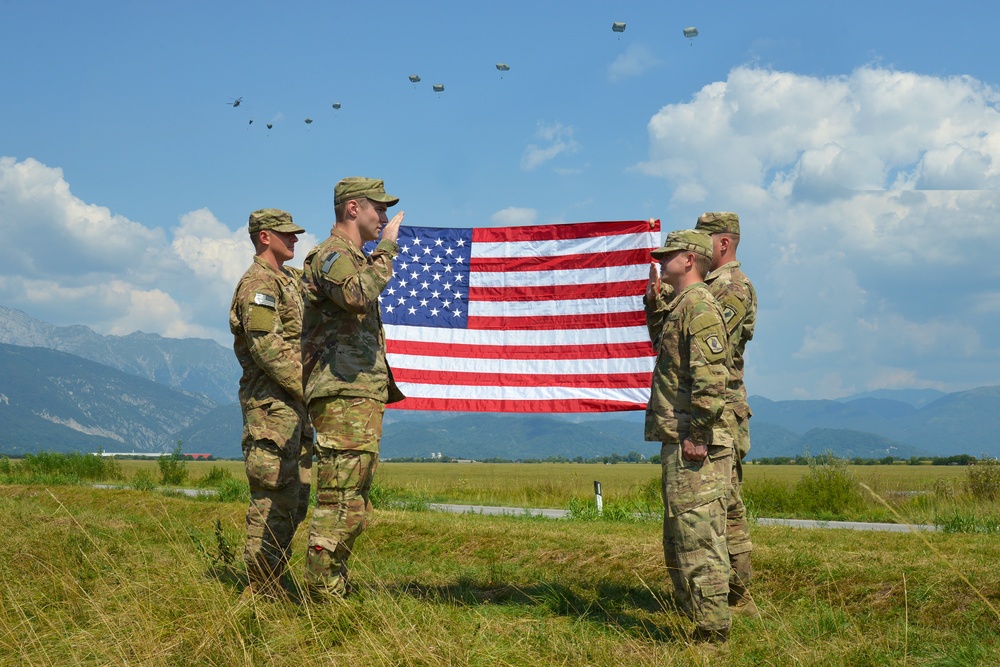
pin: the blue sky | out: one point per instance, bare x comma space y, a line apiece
860, 143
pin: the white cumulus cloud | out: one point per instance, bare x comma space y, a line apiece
513, 216
553, 140
870, 205
79, 263
635, 61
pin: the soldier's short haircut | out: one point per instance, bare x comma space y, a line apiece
702, 264
338, 210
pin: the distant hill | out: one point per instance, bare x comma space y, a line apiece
513, 436
217, 433
850, 444
964, 422
55, 401
192, 364
916, 398
61, 403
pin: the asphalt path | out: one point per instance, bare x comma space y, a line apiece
494, 510
490, 510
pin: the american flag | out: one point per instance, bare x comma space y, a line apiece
521, 319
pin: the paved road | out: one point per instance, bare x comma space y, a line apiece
493, 510
490, 510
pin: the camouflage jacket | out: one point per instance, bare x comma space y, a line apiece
266, 321
738, 300
343, 343
689, 380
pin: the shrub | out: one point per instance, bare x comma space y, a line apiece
982, 479
143, 481
173, 467
827, 489
215, 477
233, 490
63, 468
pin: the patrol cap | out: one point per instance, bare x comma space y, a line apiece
686, 239
273, 219
722, 222
358, 187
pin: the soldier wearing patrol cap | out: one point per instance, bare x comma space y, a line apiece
684, 413
738, 299
266, 322
346, 376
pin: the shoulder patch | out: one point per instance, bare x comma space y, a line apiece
261, 299
712, 345
329, 262
337, 267
733, 312
260, 318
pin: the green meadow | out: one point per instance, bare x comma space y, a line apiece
141, 576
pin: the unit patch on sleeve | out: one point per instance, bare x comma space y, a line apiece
329, 262
712, 346
264, 300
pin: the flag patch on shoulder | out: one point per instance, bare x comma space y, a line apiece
264, 300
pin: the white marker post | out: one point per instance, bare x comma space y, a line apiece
597, 498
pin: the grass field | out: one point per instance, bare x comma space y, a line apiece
124, 577
895, 493
554, 484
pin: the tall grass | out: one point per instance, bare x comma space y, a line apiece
90, 577
59, 468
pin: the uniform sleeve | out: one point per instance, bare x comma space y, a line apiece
353, 288
737, 304
709, 354
657, 313
262, 332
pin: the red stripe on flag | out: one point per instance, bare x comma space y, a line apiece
593, 260
607, 381
543, 322
557, 292
467, 351
491, 405
564, 232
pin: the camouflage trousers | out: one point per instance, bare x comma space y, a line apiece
348, 433
277, 452
737, 526
694, 532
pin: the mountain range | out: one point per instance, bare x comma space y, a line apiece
192, 364
71, 389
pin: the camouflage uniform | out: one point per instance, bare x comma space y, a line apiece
738, 299
686, 402
347, 382
266, 322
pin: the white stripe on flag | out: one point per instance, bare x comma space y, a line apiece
567, 307
552, 338
616, 274
524, 393
556, 248
522, 366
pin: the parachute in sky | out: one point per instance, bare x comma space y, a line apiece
691, 32
309, 121
618, 26
336, 105
438, 87
503, 67
414, 78
270, 125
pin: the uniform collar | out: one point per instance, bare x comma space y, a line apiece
728, 266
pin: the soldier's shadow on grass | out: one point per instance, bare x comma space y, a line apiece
625, 607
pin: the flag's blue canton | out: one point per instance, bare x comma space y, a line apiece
430, 278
